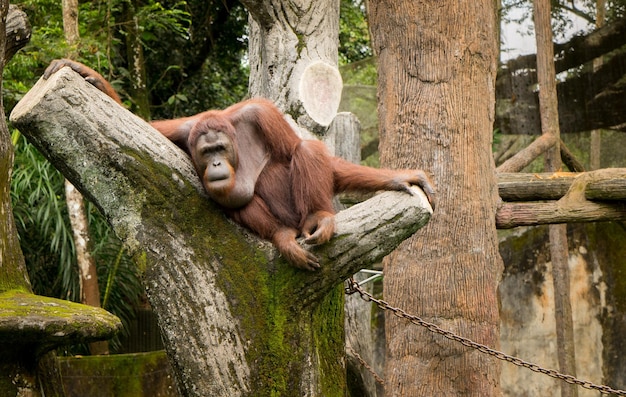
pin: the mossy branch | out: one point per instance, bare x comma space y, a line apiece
199, 268
111, 155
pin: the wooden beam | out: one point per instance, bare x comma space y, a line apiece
582, 197
512, 215
528, 154
534, 187
604, 185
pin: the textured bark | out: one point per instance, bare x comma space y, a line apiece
293, 58
18, 31
88, 274
534, 187
138, 90
436, 73
343, 140
596, 135
575, 205
512, 215
70, 24
235, 319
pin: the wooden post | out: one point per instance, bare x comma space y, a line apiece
559, 252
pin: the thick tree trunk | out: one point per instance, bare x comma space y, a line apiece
235, 319
437, 66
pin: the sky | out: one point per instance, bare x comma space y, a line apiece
515, 43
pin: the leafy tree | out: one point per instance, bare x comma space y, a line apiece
354, 39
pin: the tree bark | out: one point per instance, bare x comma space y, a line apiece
596, 134
436, 74
293, 58
574, 206
138, 90
70, 26
18, 31
293, 61
236, 320
530, 153
559, 252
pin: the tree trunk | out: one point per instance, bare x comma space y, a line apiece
70, 26
559, 252
134, 57
596, 135
293, 58
236, 319
293, 61
436, 74
12, 266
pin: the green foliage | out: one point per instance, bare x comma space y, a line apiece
203, 69
165, 28
155, 21
354, 37
41, 217
40, 210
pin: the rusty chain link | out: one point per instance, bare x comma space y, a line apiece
365, 365
354, 287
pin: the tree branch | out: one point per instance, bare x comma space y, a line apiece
528, 154
149, 192
18, 31
104, 150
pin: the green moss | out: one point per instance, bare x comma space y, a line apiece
123, 375
329, 336
43, 323
301, 42
141, 260
277, 331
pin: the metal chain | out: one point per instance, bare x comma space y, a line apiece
353, 287
365, 365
